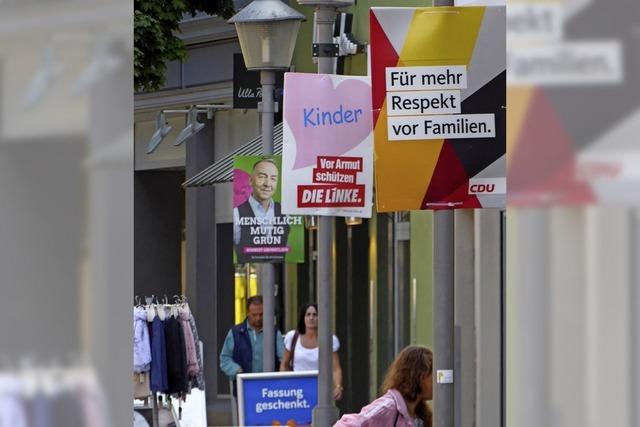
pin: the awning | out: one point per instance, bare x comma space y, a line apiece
222, 170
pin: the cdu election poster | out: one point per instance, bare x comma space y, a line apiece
439, 107
261, 232
327, 145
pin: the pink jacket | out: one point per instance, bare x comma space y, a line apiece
381, 412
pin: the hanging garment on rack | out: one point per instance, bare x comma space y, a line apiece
198, 381
158, 378
177, 377
189, 343
141, 346
141, 385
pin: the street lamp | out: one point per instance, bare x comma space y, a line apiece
267, 31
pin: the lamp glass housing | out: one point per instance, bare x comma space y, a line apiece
353, 220
267, 45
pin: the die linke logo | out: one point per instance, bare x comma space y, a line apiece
334, 185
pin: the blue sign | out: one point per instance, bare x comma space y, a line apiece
266, 399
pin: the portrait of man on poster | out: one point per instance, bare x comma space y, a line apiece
260, 230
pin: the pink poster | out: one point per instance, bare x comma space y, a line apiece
328, 145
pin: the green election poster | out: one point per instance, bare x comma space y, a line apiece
261, 232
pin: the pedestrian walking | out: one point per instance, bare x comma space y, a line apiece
242, 350
301, 348
407, 387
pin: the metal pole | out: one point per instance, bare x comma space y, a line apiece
443, 316
268, 79
349, 395
154, 410
635, 301
443, 311
395, 270
311, 249
325, 413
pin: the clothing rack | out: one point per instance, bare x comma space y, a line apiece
164, 311
155, 410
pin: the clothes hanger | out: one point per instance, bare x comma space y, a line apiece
167, 304
159, 309
166, 308
185, 305
151, 312
174, 311
175, 305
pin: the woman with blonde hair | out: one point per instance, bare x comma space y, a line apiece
407, 387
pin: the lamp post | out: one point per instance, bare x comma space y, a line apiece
311, 224
267, 31
351, 222
443, 307
325, 413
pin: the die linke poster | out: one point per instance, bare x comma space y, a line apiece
438, 78
327, 145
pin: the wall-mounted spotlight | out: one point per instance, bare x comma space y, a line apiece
193, 127
162, 130
352, 220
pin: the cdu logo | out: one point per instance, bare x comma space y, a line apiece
487, 186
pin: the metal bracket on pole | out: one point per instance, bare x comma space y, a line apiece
326, 50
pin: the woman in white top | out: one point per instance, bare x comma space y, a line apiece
301, 348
